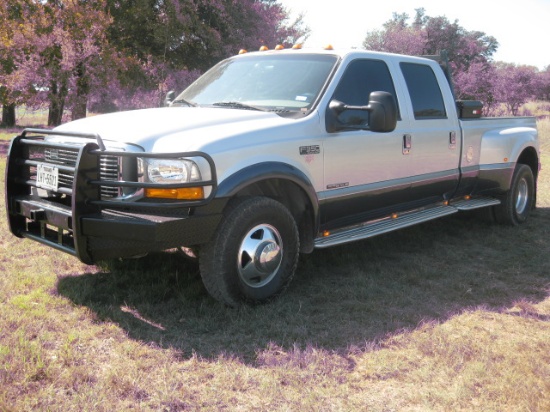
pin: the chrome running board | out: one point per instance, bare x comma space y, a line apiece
399, 221
476, 203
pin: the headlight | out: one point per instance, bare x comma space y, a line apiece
172, 171
167, 171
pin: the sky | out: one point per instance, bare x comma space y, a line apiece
522, 28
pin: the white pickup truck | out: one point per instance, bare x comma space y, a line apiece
267, 155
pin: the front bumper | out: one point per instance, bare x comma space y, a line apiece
109, 233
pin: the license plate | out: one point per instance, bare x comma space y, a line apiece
47, 177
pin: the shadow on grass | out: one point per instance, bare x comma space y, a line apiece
345, 297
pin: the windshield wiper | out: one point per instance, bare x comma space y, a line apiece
238, 105
188, 103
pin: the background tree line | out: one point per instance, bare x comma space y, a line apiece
503, 87
105, 55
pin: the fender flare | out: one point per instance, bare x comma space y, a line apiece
259, 172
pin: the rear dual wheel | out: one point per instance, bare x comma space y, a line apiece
254, 253
517, 203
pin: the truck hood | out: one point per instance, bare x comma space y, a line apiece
174, 128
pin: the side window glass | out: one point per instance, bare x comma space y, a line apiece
426, 97
360, 79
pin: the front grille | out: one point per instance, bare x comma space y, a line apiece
109, 168
64, 157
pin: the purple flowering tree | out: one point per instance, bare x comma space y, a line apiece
111, 54
543, 89
516, 85
469, 52
175, 40
502, 87
57, 51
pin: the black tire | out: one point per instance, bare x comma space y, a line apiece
517, 203
254, 253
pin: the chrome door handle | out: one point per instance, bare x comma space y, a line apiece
407, 144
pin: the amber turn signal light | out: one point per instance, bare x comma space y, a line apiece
182, 193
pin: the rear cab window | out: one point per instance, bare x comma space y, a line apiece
424, 91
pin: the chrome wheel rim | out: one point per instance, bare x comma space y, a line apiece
522, 197
260, 256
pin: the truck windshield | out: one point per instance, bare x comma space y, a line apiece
268, 82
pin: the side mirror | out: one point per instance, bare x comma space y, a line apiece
170, 96
382, 110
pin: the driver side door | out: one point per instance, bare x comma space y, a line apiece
366, 174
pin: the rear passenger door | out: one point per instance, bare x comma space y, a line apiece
434, 133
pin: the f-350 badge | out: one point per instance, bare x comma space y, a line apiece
310, 150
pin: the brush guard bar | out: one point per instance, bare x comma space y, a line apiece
77, 221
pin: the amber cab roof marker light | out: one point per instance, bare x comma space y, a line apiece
297, 46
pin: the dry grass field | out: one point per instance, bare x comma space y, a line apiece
446, 316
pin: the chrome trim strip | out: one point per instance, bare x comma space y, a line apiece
386, 185
497, 166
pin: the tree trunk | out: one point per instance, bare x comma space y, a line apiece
82, 90
8, 115
57, 103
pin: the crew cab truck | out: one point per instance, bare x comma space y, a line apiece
268, 155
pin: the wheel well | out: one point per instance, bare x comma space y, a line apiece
294, 198
530, 158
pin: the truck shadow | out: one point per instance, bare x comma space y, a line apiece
352, 296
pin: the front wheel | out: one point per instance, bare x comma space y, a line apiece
519, 200
253, 254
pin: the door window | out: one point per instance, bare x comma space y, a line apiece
426, 97
362, 77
